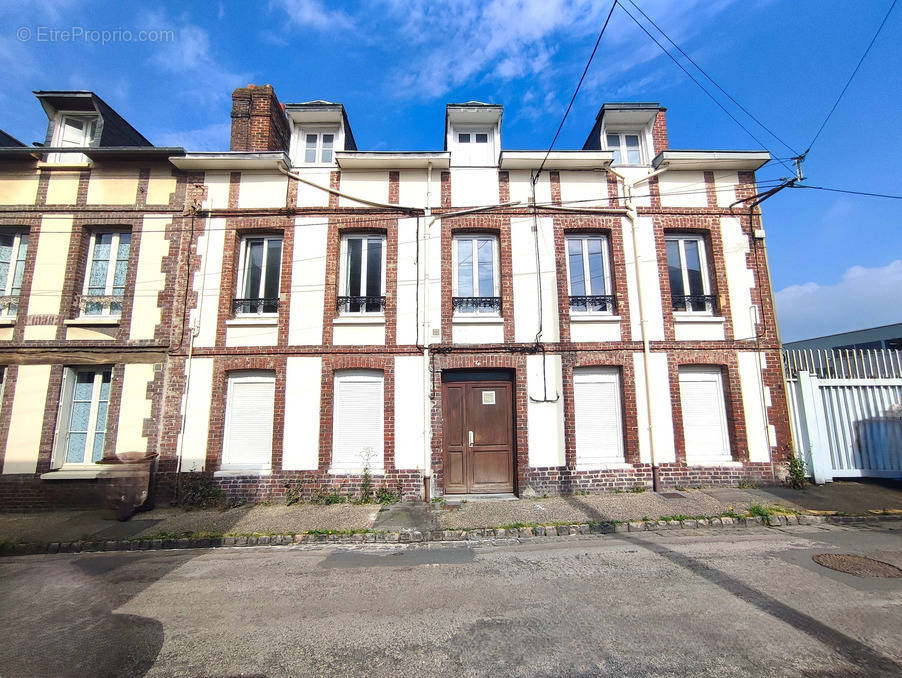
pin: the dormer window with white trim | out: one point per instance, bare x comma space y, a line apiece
627, 147
473, 145
74, 131
319, 147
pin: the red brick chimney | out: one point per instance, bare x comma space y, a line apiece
658, 131
258, 120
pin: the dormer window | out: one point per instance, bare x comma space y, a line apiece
74, 131
318, 147
473, 146
627, 147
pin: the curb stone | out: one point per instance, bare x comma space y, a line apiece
492, 535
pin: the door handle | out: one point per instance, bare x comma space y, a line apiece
470, 437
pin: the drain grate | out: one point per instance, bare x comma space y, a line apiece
861, 566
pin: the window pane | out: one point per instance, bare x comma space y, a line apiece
632, 148
273, 268
310, 152
105, 385
374, 268
84, 386
694, 266
100, 426
327, 147
465, 268
463, 138
577, 275
614, 145
19, 269
674, 269
486, 268
81, 410
75, 454
99, 263
97, 452
596, 266
482, 138
253, 269
355, 251
4, 274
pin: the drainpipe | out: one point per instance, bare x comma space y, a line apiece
427, 402
633, 215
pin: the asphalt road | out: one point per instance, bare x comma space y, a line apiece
734, 602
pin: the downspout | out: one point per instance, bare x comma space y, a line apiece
633, 216
427, 402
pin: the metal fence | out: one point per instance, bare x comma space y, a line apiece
846, 411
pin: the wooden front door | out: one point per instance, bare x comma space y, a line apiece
478, 437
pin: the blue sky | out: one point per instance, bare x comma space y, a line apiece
836, 260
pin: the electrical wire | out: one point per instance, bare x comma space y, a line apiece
575, 92
842, 190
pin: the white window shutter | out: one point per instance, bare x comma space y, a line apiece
62, 419
249, 422
599, 424
704, 416
358, 422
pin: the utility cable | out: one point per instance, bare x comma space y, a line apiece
842, 190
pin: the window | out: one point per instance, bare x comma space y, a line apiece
318, 147
104, 287
627, 147
75, 131
358, 421
473, 137
704, 415
473, 146
362, 281
250, 401
687, 269
259, 270
589, 274
13, 248
83, 415
599, 424
475, 268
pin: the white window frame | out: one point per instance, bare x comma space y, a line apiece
6, 309
605, 263
241, 282
227, 462
496, 269
599, 375
714, 374
110, 272
64, 418
91, 135
301, 145
681, 239
376, 463
343, 270
472, 132
471, 152
622, 148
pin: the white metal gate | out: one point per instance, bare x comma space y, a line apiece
846, 411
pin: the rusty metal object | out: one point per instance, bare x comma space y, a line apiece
860, 566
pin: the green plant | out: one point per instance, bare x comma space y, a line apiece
366, 486
730, 513
200, 491
747, 484
638, 489
386, 496
760, 511
796, 477
293, 494
680, 488
322, 498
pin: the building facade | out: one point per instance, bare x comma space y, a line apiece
474, 320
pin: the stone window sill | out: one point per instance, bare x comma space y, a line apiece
7, 322
354, 471
604, 466
477, 320
94, 320
238, 472
359, 319
90, 471
253, 320
683, 317
714, 462
594, 318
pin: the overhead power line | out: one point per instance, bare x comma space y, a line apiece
843, 190
714, 82
851, 77
576, 91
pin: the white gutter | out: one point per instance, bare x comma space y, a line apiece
633, 216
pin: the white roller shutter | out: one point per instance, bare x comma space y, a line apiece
358, 421
599, 425
249, 421
704, 416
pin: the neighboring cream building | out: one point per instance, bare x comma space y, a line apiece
297, 310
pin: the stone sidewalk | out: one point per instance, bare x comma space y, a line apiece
843, 498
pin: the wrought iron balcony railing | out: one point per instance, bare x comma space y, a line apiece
695, 303
100, 304
255, 306
357, 304
476, 304
9, 306
595, 303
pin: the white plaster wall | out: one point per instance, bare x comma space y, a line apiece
651, 282
303, 379
18, 189
634, 331
308, 196
207, 279
761, 436
160, 187
640, 192
135, 408
683, 189
740, 278
686, 328
263, 334
526, 293
146, 312
484, 332
433, 285
62, 189
217, 190
662, 415
410, 441
412, 188
113, 187
50, 266
406, 329
197, 415
308, 281
262, 189
584, 189
367, 185
545, 420
606, 329
725, 186
520, 187
474, 186
23, 442
358, 334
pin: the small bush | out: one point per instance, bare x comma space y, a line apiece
201, 492
327, 498
796, 477
747, 484
366, 486
760, 511
293, 494
386, 496
638, 489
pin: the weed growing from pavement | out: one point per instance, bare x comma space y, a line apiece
747, 484
796, 477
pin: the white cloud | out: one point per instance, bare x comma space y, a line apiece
864, 297
213, 137
312, 14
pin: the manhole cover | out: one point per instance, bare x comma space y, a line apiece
861, 566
